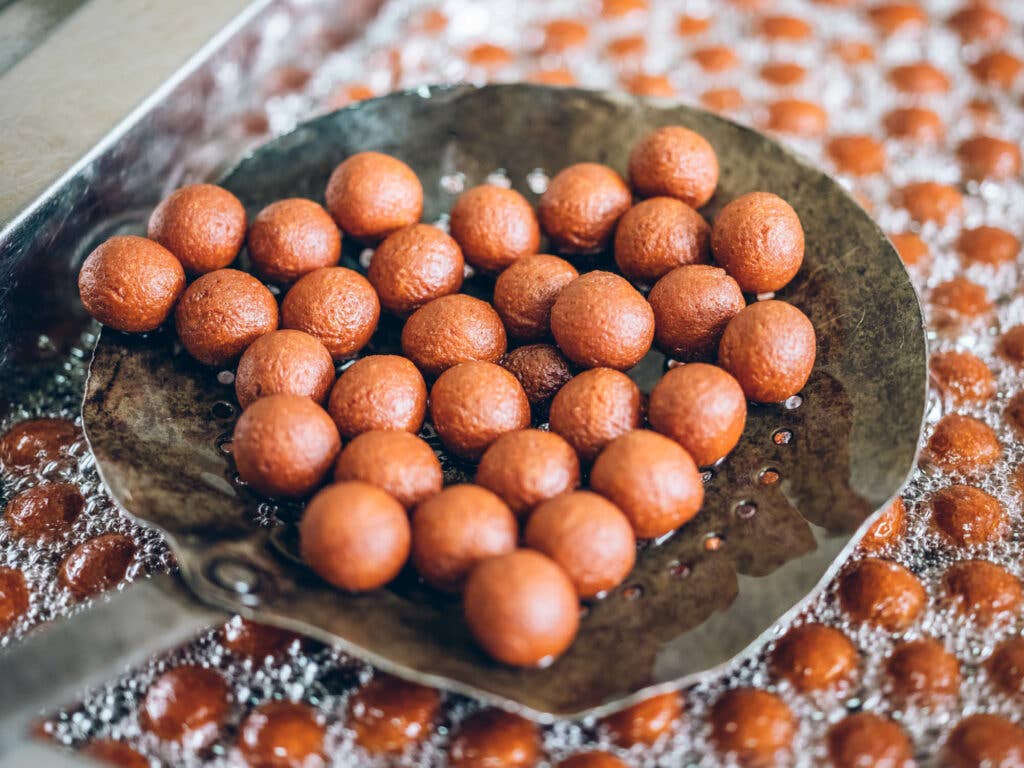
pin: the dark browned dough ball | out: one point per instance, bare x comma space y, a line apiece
882, 593
983, 740
283, 734
528, 467
814, 657
754, 726
494, 227
414, 265
967, 516
923, 669
651, 479
1011, 345
492, 738
451, 330
253, 640
336, 305
473, 404
1005, 666
32, 443
292, 237
758, 239
284, 445
594, 408
96, 565
43, 512
222, 313
370, 195
770, 347
378, 392
962, 376
866, 739
521, 607
541, 370
130, 283
599, 319
588, 537
284, 362
888, 528
581, 206
983, 590
203, 225
657, 235
525, 292
963, 444
388, 715
702, 408
676, 162
645, 722
456, 529
692, 305
399, 463
186, 705
355, 536
14, 597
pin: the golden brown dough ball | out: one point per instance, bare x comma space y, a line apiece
473, 404
645, 722
581, 207
587, 536
692, 306
336, 305
527, 468
758, 239
355, 536
651, 479
525, 292
752, 725
599, 319
814, 657
130, 283
284, 445
284, 362
292, 237
458, 528
414, 265
451, 330
702, 408
594, 408
657, 235
675, 162
378, 392
388, 715
770, 348
494, 227
963, 444
203, 225
401, 464
882, 593
521, 608
222, 313
492, 738
370, 195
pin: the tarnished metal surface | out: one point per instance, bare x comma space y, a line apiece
847, 450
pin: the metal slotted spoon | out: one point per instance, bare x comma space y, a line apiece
780, 512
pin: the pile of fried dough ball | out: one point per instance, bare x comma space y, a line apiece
524, 544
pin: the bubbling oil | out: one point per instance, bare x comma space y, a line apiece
394, 53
